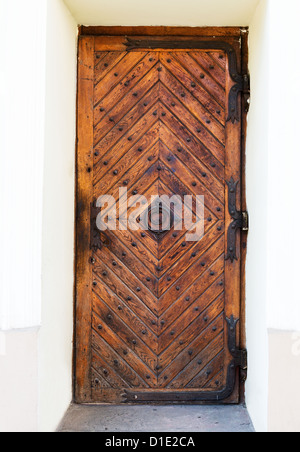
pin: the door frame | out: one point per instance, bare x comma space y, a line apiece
86, 39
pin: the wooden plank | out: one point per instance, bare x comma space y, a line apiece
84, 195
160, 31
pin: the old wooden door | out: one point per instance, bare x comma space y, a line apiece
158, 317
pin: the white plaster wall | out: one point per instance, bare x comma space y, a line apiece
56, 334
19, 381
22, 86
191, 13
284, 163
257, 198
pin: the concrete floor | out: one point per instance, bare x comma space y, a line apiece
204, 419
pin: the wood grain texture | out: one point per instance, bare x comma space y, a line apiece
151, 312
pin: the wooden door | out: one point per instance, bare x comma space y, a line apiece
158, 317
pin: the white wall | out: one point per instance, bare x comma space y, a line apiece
22, 86
56, 334
257, 173
190, 13
38, 43
284, 181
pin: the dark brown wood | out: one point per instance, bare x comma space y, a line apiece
84, 197
160, 31
151, 312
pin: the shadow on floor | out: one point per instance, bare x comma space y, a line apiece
205, 419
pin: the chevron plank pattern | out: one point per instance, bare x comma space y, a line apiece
158, 304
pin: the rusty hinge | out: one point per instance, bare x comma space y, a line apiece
242, 86
240, 220
98, 238
240, 355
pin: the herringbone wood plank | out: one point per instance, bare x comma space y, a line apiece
158, 303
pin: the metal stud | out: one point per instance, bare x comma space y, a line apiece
135, 94
125, 182
129, 298
105, 64
209, 219
191, 352
212, 273
155, 113
149, 279
193, 85
213, 165
214, 329
104, 273
140, 149
218, 209
148, 377
102, 109
169, 61
169, 159
203, 264
218, 112
109, 317
114, 263
143, 234
130, 138
205, 319
208, 121
196, 309
172, 333
188, 299
219, 228
194, 255
111, 119
100, 327
179, 150
105, 372
116, 362
178, 288
211, 67
138, 289
162, 322
182, 94
169, 279
144, 332
120, 308
95, 283
194, 184
134, 342
116, 172
125, 352
173, 104
204, 174
175, 235
181, 343
124, 254
189, 140
159, 69
200, 362
96, 154
105, 163
202, 76
183, 245
126, 84
116, 74
153, 322
134, 192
